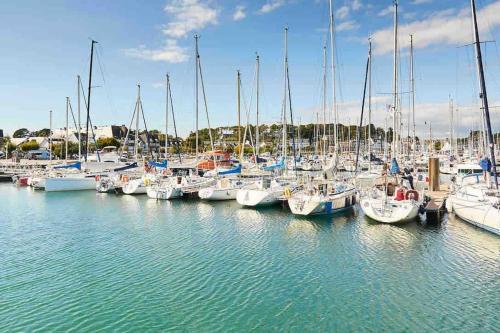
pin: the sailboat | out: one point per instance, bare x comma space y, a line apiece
227, 181
373, 171
188, 184
268, 190
325, 195
139, 183
479, 203
224, 189
73, 178
387, 203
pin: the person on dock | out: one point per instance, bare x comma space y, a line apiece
485, 164
408, 176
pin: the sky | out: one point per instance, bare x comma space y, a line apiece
46, 44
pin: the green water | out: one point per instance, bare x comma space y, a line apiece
91, 262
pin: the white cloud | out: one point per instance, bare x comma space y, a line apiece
342, 12
185, 16
347, 25
356, 5
271, 5
386, 11
437, 113
188, 16
449, 27
171, 52
239, 13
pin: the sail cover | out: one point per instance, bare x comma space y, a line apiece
77, 165
277, 166
127, 167
394, 167
161, 165
232, 171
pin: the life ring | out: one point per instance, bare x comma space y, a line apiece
97, 178
411, 195
147, 181
124, 178
287, 192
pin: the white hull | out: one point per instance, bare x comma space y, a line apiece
135, 186
390, 211
166, 193
38, 183
303, 204
480, 213
105, 185
255, 198
69, 183
217, 194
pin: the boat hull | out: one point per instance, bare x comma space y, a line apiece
480, 214
69, 184
133, 187
391, 212
167, 193
318, 205
216, 194
256, 198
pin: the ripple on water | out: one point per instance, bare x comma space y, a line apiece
91, 262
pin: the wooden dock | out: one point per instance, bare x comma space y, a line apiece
435, 208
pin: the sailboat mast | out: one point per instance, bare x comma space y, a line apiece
67, 130
451, 126
395, 126
484, 95
50, 135
324, 138
300, 139
78, 79
358, 132
412, 89
166, 116
136, 139
238, 105
334, 90
197, 59
257, 132
369, 104
285, 68
88, 100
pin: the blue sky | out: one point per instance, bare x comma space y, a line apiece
46, 44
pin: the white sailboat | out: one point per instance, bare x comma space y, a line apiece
76, 182
322, 197
325, 195
478, 201
264, 192
477, 204
167, 189
269, 190
388, 204
224, 189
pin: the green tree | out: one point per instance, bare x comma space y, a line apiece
104, 142
59, 149
29, 145
21, 133
43, 132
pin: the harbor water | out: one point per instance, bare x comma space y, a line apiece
92, 262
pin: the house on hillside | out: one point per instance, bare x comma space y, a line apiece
43, 142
